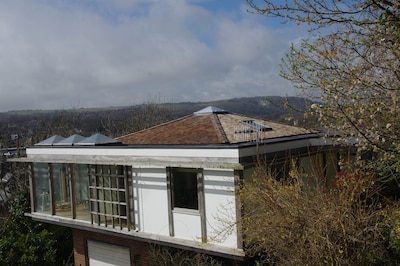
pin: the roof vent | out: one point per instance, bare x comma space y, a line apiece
210, 110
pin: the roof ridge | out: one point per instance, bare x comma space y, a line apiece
215, 119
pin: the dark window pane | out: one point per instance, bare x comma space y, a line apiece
185, 188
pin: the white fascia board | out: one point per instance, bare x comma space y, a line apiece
188, 157
140, 152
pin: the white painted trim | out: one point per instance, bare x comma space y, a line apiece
137, 152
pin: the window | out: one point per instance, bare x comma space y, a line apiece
41, 181
184, 183
62, 189
94, 193
108, 195
186, 200
280, 169
81, 189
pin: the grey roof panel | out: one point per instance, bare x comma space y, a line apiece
71, 140
97, 139
50, 141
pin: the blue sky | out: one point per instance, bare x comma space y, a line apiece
61, 54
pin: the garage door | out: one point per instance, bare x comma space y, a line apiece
104, 254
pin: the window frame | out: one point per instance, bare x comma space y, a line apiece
192, 198
200, 211
102, 208
116, 209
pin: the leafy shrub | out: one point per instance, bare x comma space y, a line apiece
291, 223
165, 256
27, 242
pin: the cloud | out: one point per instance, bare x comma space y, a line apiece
62, 54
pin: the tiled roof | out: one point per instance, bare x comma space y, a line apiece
187, 130
212, 128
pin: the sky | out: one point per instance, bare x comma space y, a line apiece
63, 54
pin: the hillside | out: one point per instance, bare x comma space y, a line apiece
266, 107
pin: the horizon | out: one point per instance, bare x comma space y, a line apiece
83, 54
144, 103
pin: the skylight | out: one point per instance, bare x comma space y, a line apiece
257, 126
210, 110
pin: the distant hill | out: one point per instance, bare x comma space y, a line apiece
267, 107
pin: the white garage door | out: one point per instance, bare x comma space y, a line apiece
104, 254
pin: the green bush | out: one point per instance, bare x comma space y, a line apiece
27, 242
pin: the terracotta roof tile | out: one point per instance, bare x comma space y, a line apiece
187, 130
237, 130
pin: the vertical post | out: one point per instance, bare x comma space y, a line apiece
111, 174
64, 181
94, 197
170, 201
202, 205
72, 195
129, 204
32, 187
238, 179
103, 188
51, 185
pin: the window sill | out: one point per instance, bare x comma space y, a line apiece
186, 211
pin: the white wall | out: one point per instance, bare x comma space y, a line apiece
219, 190
151, 206
187, 225
150, 199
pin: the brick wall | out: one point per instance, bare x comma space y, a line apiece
138, 249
